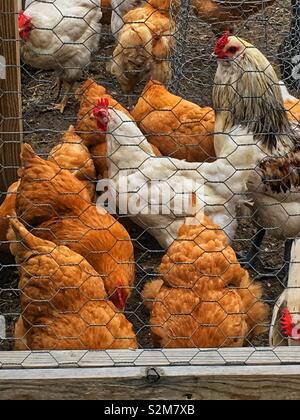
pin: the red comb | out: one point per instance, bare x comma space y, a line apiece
222, 42
121, 297
287, 323
103, 103
23, 19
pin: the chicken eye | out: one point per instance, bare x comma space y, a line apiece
232, 50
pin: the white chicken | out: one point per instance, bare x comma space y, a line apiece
119, 10
164, 189
60, 35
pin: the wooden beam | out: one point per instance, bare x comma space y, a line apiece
178, 383
11, 127
243, 373
82, 359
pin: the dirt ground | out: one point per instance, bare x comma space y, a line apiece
193, 80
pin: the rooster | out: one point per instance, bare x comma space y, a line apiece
60, 35
248, 101
223, 14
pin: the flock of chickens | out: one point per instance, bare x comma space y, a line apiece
76, 261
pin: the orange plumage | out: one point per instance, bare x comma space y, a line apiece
204, 298
223, 16
178, 128
63, 300
144, 47
73, 155
55, 202
293, 109
7, 208
88, 95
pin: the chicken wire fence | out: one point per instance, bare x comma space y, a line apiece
154, 201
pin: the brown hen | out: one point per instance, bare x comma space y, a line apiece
222, 15
178, 128
52, 198
204, 297
144, 47
63, 300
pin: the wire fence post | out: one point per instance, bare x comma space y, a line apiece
11, 127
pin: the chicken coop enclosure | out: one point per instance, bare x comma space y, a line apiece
149, 220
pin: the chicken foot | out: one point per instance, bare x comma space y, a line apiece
57, 88
67, 88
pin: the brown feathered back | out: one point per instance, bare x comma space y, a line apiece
222, 15
46, 190
207, 299
57, 204
63, 300
178, 128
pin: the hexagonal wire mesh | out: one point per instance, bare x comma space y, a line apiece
139, 80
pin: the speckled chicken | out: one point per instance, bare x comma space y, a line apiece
106, 11
282, 174
64, 305
177, 127
73, 155
7, 209
204, 298
222, 15
53, 201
